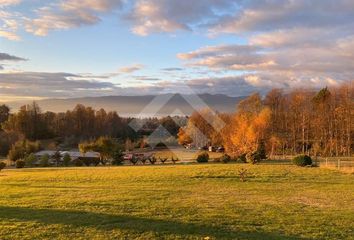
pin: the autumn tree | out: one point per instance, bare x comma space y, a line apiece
248, 127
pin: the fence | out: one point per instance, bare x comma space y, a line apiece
345, 164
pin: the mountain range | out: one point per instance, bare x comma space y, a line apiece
171, 104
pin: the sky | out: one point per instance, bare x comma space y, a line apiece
77, 48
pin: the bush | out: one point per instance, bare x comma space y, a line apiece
21, 148
152, 160
258, 155
241, 158
302, 160
163, 160
86, 161
203, 158
174, 160
261, 150
225, 158
144, 160
66, 160
2, 165
44, 161
117, 156
30, 160
134, 160
79, 163
96, 161
20, 164
253, 157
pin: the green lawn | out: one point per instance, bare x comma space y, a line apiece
177, 202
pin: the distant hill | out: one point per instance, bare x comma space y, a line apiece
133, 105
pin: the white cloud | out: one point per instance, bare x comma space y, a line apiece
154, 16
131, 68
9, 25
69, 14
44, 85
4, 3
10, 35
286, 43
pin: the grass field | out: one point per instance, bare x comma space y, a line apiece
177, 202
184, 154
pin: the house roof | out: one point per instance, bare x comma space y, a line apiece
72, 154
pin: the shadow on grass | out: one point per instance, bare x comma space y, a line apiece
138, 225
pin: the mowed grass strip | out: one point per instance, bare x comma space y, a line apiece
177, 202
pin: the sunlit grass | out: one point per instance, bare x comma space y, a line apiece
184, 154
177, 202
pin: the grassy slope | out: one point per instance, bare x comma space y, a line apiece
177, 202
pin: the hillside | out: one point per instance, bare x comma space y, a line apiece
134, 105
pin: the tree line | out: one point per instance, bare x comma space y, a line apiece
282, 122
73, 126
294, 122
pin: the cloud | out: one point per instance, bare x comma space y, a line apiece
216, 16
172, 69
44, 85
69, 14
9, 23
146, 78
10, 35
90, 5
39, 85
291, 58
154, 16
285, 43
280, 14
8, 57
8, 2
131, 68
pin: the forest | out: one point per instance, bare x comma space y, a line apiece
67, 130
317, 123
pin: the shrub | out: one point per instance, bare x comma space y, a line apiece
144, 160
117, 156
30, 160
225, 158
174, 160
21, 148
79, 163
302, 160
96, 161
44, 161
163, 160
56, 157
203, 158
242, 158
66, 160
134, 160
20, 164
86, 161
2, 165
152, 160
262, 151
253, 157
242, 174
258, 155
